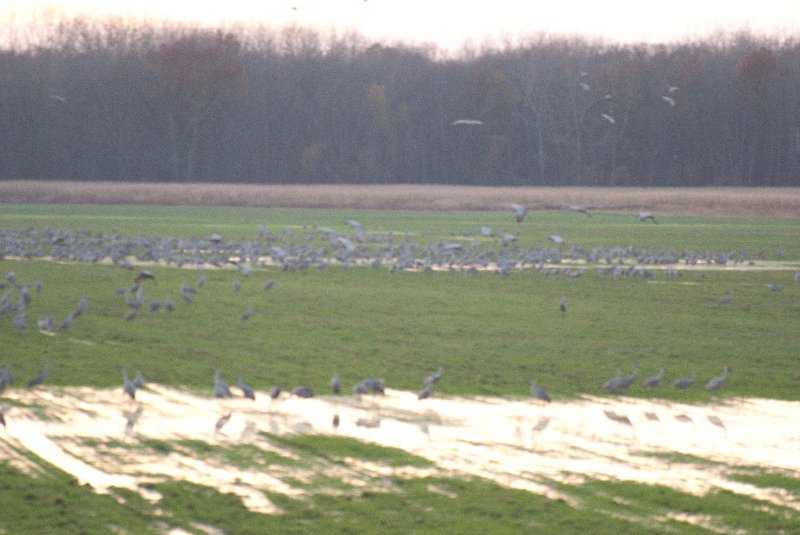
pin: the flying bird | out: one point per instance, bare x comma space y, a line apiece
668, 100
466, 122
608, 118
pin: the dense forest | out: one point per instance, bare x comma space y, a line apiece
111, 101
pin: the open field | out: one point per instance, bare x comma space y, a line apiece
480, 454
763, 202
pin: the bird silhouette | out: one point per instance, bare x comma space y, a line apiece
519, 211
221, 388
715, 383
40, 377
538, 392
466, 122
685, 382
653, 380
425, 392
247, 390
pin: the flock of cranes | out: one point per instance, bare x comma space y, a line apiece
298, 252
319, 247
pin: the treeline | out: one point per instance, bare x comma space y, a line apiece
118, 102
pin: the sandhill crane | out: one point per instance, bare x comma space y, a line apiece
336, 384
83, 306
519, 211
3, 410
628, 379
425, 392
562, 306
5, 379
653, 380
725, 299
358, 230
138, 380
269, 284
555, 238
127, 385
336, 421
247, 313
619, 382
538, 392
613, 383
221, 388
303, 392
507, 238
367, 386
40, 377
247, 390
774, 287
685, 382
143, 276
275, 391
644, 216
716, 383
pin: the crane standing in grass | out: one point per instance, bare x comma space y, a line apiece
717, 382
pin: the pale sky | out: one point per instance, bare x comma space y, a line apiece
449, 23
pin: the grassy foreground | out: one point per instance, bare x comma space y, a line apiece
490, 333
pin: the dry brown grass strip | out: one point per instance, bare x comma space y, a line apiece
772, 202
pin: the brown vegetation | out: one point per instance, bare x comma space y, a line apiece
772, 202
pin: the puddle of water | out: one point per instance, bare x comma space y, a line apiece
516, 443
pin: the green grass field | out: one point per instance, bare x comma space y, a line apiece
490, 333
